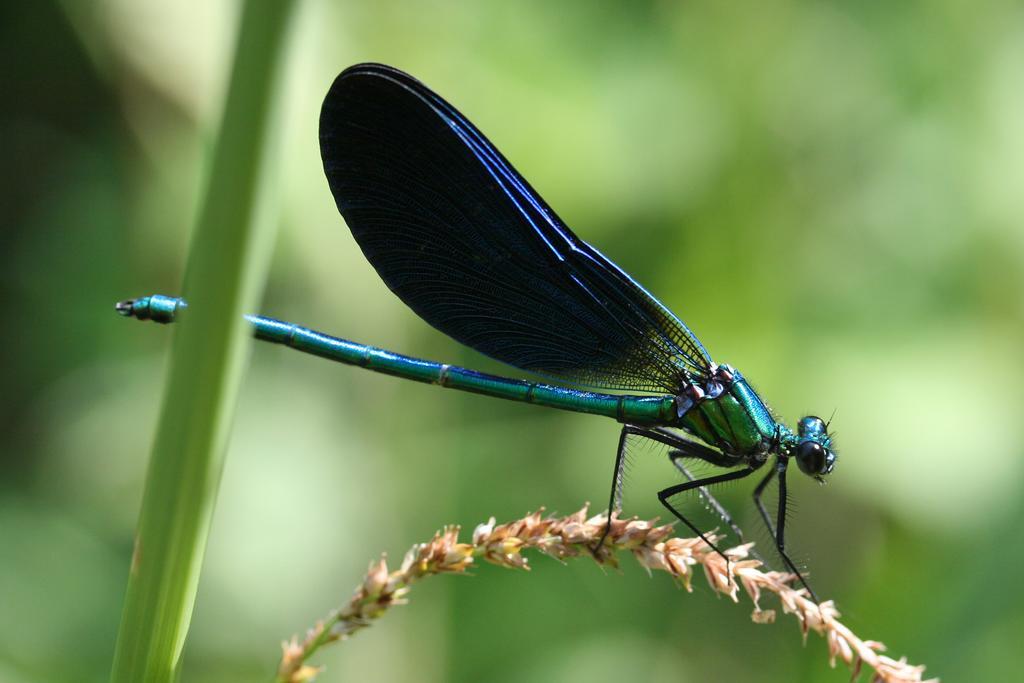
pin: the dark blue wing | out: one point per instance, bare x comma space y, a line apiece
466, 243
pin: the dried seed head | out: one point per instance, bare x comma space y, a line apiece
577, 535
376, 578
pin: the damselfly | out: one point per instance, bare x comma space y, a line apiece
464, 241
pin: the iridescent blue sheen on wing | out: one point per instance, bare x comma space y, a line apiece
465, 242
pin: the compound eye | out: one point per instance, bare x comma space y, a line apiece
810, 425
811, 456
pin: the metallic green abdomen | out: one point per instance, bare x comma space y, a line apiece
737, 422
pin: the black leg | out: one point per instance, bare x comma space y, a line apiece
692, 449
780, 529
663, 436
665, 494
676, 457
760, 505
780, 524
684, 448
615, 497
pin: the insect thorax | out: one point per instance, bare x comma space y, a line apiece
736, 421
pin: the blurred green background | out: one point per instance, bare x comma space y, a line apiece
830, 195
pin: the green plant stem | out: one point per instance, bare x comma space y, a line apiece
227, 264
